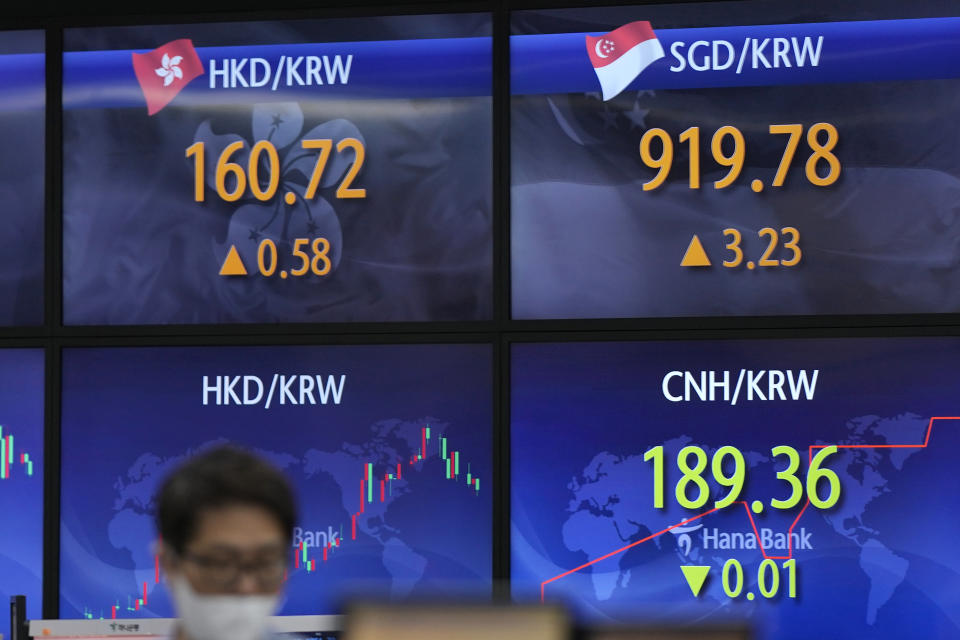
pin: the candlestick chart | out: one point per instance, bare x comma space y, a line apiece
376, 473
21, 478
376, 489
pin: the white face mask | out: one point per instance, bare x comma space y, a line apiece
221, 617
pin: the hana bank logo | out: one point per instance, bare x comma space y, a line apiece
622, 55
165, 71
682, 534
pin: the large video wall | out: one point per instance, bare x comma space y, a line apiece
648, 309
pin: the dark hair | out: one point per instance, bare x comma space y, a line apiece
220, 477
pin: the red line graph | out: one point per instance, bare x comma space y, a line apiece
746, 507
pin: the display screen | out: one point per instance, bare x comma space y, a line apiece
386, 446
735, 159
805, 487
22, 172
260, 172
21, 480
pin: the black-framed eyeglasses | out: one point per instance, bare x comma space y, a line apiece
223, 572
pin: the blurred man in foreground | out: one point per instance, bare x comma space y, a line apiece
225, 519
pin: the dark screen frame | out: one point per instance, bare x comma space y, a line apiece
500, 332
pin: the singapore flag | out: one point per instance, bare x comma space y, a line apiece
621, 55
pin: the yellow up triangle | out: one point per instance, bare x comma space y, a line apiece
695, 255
233, 265
696, 575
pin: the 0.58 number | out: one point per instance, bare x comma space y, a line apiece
319, 264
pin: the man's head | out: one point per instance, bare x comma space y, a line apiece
225, 518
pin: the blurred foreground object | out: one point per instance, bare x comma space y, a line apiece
18, 618
463, 621
712, 632
282, 627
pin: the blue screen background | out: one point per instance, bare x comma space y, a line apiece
21, 496
881, 563
22, 171
588, 242
139, 250
129, 415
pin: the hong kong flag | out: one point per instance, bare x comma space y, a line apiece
163, 72
622, 55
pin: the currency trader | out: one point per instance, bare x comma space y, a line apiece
225, 519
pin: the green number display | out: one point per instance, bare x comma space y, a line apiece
791, 567
774, 572
768, 579
656, 454
789, 475
735, 481
732, 591
692, 475
729, 469
815, 474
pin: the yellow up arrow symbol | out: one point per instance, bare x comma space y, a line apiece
695, 255
233, 265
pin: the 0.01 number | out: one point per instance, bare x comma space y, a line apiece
768, 578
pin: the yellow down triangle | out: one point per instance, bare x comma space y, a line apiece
695, 255
696, 575
233, 265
